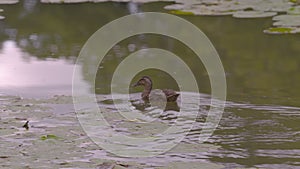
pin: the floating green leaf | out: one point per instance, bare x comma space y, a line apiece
287, 20
179, 12
253, 14
282, 30
81, 1
9, 1
295, 1
294, 10
49, 136
246, 9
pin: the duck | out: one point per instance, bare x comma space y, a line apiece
146, 82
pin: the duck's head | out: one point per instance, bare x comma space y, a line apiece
144, 81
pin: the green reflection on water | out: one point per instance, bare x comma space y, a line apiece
260, 68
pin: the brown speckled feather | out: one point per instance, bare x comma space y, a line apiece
171, 95
147, 83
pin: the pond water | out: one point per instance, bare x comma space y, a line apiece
260, 125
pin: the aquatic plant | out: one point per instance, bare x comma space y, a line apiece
288, 23
236, 8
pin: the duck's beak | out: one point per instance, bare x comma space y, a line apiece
135, 84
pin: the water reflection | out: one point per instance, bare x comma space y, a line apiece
259, 127
246, 133
262, 69
24, 75
29, 5
143, 105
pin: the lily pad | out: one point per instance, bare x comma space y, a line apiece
282, 30
275, 5
179, 12
9, 1
208, 10
63, 1
175, 7
295, 1
221, 6
95, 1
294, 10
238, 8
246, 9
287, 21
253, 14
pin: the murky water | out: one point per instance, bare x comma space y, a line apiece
249, 135
40, 43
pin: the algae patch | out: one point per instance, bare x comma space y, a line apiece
179, 12
281, 30
49, 136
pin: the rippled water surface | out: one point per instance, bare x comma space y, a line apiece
39, 44
246, 135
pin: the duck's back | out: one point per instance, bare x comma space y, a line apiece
171, 95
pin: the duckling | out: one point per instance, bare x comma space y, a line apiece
146, 81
